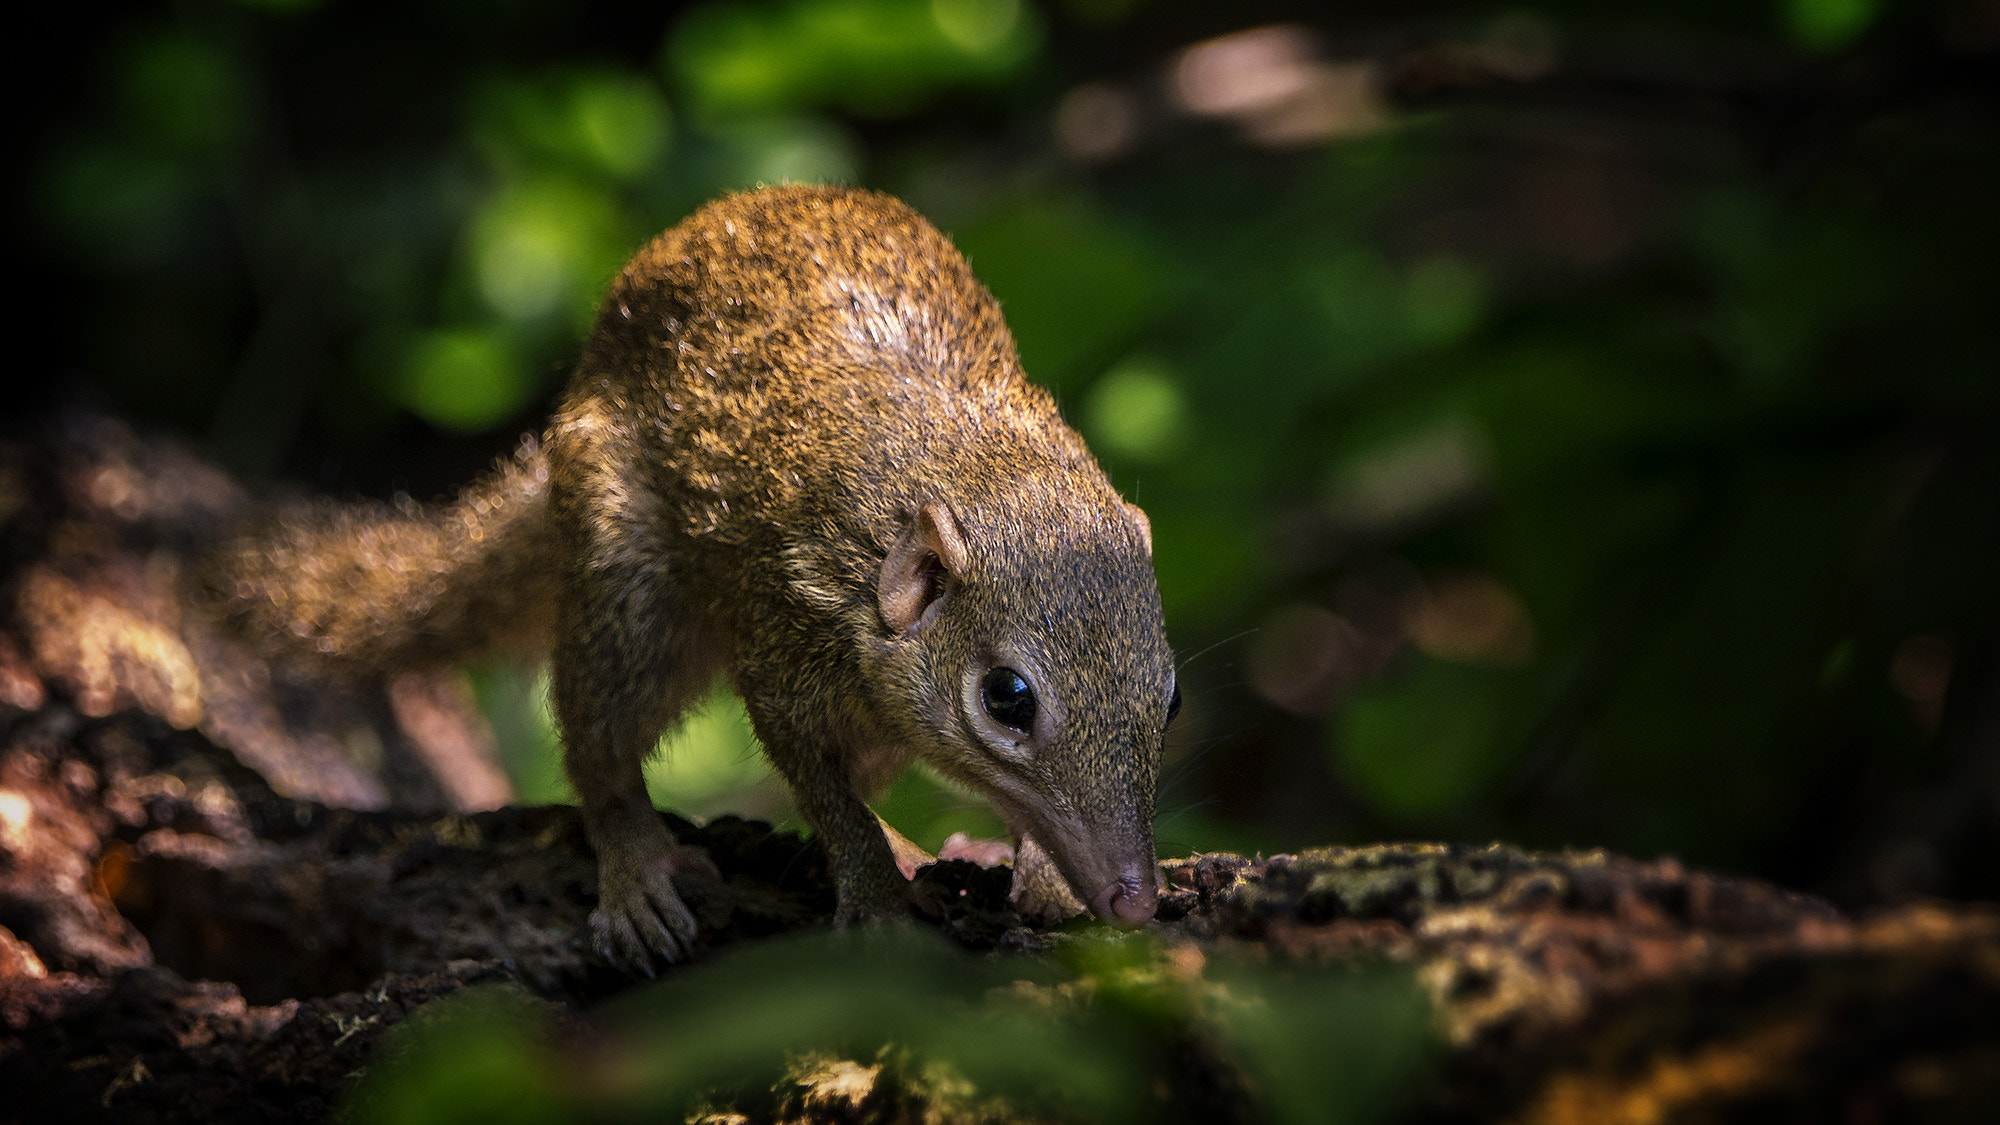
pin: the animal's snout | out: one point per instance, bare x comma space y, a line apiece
1130, 899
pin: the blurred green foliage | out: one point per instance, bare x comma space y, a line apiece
1588, 435
876, 57
1114, 1034
1823, 24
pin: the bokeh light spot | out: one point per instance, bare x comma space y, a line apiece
793, 151
464, 379
1829, 24
622, 122
1403, 480
543, 246
1137, 409
979, 26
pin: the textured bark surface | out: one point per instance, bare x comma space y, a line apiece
219, 889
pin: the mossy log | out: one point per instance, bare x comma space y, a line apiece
213, 908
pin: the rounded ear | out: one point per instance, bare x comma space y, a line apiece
1140, 521
923, 562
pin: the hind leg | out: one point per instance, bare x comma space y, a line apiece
629, 660
622, 673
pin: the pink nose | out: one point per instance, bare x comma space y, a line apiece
1131, 899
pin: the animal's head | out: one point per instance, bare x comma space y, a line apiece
1032, 650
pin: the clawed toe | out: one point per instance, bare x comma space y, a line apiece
638, 925
618, 943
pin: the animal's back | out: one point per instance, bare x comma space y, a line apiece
818, 360
774, 383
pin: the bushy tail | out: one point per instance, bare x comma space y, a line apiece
361, 589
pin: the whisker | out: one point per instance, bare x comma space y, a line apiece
1211, 648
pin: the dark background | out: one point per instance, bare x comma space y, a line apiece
1565, 423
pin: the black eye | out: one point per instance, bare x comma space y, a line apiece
1174, 704
1008, 698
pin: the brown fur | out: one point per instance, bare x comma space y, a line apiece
798, 450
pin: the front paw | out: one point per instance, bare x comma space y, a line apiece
640, 917
1040, 892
